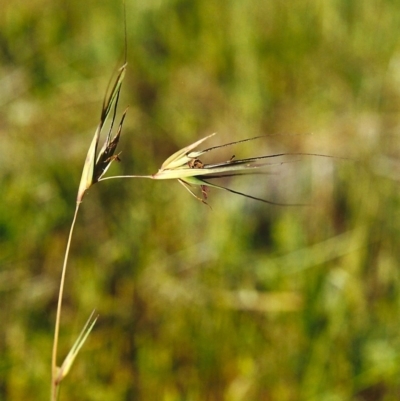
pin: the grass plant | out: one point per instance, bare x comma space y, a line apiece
184, 165
95, 166
244, 302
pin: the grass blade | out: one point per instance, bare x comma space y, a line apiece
72, 354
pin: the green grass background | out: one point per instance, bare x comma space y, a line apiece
244, 301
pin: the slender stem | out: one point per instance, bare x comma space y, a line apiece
126, 176
54, 369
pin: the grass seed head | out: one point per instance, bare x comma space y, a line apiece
97, 163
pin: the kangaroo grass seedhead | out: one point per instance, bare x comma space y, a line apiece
188, 169
96, 164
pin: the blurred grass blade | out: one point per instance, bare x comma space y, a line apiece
72, 354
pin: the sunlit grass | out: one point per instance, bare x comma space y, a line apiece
244, 301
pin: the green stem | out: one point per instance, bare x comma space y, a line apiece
54, 370
126, 176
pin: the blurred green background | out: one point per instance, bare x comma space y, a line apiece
240, 301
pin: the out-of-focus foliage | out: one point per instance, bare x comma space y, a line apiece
243, 301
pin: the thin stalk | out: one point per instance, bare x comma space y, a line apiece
126, 176
54, 368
